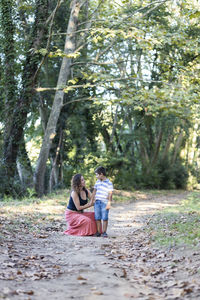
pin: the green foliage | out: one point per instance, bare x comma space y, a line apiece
134, 78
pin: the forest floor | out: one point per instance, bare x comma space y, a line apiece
37, 261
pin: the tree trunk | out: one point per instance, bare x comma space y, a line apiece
114, 125
167, 146
106, 136
177, 147
144, 155
156, 152
119, 147
54, 171
9, 82
22, 106
192, 153
24, 166
43, 110
157, 147
58, 99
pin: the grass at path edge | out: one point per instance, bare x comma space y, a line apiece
177, 225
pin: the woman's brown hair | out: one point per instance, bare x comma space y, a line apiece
76, 183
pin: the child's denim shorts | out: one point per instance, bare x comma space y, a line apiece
100, 211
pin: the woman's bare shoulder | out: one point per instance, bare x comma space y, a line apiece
74, 194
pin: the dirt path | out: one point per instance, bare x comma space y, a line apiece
123, 266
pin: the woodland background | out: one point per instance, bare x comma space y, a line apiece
85, 83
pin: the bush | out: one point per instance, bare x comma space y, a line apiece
161, 176
172, 176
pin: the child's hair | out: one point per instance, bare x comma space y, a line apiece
101, 170
76, 183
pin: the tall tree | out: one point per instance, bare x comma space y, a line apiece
8, 78
17, 110
64, 75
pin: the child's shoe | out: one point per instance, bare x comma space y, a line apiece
104, 234
98, 234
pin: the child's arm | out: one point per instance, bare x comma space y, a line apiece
90, 197
108, 206
93, 195
89, 194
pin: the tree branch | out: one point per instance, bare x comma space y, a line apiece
98, 83
127, 17
51, 20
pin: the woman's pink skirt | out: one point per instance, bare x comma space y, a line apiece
80, 223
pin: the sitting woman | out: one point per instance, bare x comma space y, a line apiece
80, 222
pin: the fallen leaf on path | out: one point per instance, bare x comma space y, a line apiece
187, 290
81, 278
98, 293
176, 292
29, 292
170, 284
83, 282
42, 236
124, 274
19, 291
127, 295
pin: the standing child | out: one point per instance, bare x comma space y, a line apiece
103, 196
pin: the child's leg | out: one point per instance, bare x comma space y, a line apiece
97, 214
98, 222
105, 225
105, 216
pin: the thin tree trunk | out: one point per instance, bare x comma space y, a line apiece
106, 136
157, 148
58, 99
121, 132
177, 147
156, 152
114, 125
24, 167
144, 155
166, 150
43, 110
193, 144
119, 147
54, 176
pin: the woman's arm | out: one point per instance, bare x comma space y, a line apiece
76, 200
